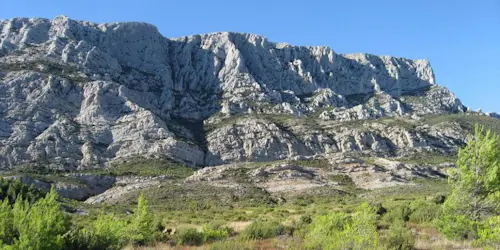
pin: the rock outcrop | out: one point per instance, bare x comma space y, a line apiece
76, 95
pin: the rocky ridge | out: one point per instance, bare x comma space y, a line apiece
76, 95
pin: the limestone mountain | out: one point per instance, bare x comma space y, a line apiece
79, 95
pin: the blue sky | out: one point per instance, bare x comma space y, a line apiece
460, 38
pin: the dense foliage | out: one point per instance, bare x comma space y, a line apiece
264, 229
40, 225
474, 203
11, 189
43, 224
339, 230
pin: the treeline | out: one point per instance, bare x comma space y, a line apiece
11, 189
40, 223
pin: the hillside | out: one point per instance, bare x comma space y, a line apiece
83, 101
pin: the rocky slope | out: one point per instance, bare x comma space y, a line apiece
76, 95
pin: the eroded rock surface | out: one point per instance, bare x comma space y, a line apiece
76, 95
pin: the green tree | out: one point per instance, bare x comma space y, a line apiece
38, 226
475, 186
108, 232
43, 226
142, 229
12, 189
7, 233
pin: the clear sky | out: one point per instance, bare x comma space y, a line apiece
460, 38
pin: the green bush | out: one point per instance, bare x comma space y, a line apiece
457, 226
190, 237
216, 231
107, 232
341, 231
42, 224
398, 213
78, 239
300, 226
263, 229
453, 221
489, 233
423, 211
400, 237
325, 230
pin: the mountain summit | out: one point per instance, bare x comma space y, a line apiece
79, 95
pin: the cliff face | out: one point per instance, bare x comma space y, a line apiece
76, 94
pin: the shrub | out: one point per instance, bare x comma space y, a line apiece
400, 237
109, 232
456, 226
453, 222
299, 227
489, 233
77, 239
190, 237
106, 232
305, 220
325, 230
362, 231
341, 231
398, 213
423, 211
264, 229
216, 231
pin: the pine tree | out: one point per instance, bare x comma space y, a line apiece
40, 226
7, 233
475, 186
142, 228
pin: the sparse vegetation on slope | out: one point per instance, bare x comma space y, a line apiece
146, 167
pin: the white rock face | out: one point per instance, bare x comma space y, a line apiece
76, 94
